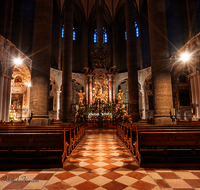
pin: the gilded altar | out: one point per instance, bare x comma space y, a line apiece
100, 86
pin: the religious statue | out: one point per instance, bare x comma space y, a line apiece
120, 97
99, 95
81, 97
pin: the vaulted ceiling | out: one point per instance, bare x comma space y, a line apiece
110, 9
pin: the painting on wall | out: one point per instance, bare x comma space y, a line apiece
18, 79
16, 101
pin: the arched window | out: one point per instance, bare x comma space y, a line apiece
74, 33
95, 36
136, 31
63, 31
104, 35
105, 38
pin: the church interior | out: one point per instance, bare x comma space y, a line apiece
100, 94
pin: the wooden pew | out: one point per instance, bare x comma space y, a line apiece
36, 146
20, 146
11, 123
188, 123
168, 146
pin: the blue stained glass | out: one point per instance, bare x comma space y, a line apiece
63, 31
136, 31
74, 34
95, 36
105, 36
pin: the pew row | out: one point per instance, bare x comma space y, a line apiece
167, 146
38, 146
11, 123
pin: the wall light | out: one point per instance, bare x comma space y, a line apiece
18, 61
185, 57
28, 84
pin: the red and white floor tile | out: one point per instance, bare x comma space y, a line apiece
101, 162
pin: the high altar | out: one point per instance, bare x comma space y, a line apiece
100, 82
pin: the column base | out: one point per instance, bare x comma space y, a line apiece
162, 120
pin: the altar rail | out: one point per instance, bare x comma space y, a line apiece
38, 146
162, 145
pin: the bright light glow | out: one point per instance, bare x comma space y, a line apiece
185, 57
28, 84
18, 61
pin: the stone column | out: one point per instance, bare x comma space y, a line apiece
8, 99
42, 36
160, 64
110, 88
143, 105
28, 97
1, 96
90, 89
113, 90
66, 96
196, 95
6, 10
192, 89
193, 93
60, 44
86, 96
100, 5
198, 89
84, 45
191, 18
140, 61
113, 44
5, 98
132, 60
58, 103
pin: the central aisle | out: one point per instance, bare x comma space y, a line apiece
101, 162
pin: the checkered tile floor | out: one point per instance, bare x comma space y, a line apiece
101, 162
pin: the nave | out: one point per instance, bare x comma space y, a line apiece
101, 162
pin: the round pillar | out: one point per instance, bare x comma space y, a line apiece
191, 18
132, 60
66, 97
58, 104
5, 98
113, 44
1, 97
42, 35
160, 64
60, 44
100, 5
